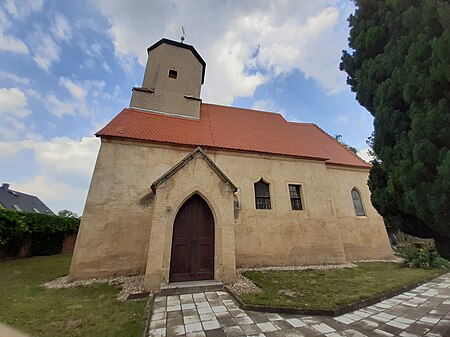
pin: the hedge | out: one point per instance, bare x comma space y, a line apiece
45, 233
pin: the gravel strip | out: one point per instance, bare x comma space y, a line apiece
396, 258
244, 285
317, 267
320, 266
128, 284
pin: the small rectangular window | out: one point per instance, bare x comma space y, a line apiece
36, 210
296, 199
17, 208
173, 74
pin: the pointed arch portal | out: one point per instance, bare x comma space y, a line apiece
192, 257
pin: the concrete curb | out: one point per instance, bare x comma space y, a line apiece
151, 299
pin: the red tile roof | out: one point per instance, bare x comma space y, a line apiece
223, 127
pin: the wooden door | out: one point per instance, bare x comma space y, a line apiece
192, 256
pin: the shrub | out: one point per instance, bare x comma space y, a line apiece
425, 257
13, 230
45, 233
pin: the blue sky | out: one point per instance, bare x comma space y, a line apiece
67, 68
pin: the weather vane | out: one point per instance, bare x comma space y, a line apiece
183, 36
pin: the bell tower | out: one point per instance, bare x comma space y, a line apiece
172, 81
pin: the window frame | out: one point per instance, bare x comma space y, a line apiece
262, 197
300, 196
360, 201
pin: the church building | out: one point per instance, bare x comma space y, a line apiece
184, 190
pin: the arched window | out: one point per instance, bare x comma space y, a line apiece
356, 197
262, 195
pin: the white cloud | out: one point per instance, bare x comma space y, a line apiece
13, 109
9, 42
364, 154
76, 90
231, 52
80, 89
60, 107
34, 5
95, 52
127, 62
270, 106
61, 28
342, 119
95, 49
64, 168
14, 78
67, 156
23, 8
46, 51
79, 103
32, 93
87, 23
12, 44
60, 155
106, 67
267, 105
49, 189
89, 63
245, 45
11, 7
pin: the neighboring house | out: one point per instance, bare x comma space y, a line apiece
184, 190
18, 201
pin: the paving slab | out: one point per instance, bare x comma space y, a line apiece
422, 311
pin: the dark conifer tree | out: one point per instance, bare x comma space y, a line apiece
399, 67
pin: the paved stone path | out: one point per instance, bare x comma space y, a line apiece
423, 311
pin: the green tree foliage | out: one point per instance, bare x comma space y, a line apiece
399, 67
65, 213
340, 140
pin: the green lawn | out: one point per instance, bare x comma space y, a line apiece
79, 311
329, 289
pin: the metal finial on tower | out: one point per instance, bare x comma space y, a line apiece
183, 37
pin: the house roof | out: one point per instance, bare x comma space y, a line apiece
18, 201
230, 128
185, 46
197, 152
